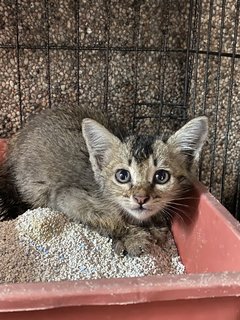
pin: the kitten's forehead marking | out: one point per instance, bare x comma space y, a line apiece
155, 162
142, 147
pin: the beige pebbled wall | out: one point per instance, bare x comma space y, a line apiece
154, 64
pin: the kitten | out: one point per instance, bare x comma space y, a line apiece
75, 161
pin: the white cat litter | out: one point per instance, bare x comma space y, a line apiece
42, 245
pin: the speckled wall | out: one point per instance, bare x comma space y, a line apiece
152, 63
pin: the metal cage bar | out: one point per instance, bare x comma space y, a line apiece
18, 65
192, 53
236, 22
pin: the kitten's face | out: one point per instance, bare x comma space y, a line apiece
143, 183
143, 174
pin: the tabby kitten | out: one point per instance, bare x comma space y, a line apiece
75, 161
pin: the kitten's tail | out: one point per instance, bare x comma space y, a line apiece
11, 205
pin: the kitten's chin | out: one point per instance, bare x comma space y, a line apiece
141, 214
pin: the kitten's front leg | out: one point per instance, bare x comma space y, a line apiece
137, 240
134, 241
92, 211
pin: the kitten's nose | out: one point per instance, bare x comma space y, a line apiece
141, 199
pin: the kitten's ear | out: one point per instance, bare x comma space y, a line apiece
191, 137
99, 141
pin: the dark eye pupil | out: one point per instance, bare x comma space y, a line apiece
123, 176
161, 176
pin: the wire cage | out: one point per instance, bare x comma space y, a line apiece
154, 64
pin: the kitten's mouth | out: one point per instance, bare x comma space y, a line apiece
141, 213
139, 208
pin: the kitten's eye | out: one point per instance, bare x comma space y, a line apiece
161, 176
123, 176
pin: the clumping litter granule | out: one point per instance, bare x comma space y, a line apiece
42, 245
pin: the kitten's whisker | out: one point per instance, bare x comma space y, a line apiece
168, 214
186, 198
173, 213
174, 207
180, 213
180, 204
178, 209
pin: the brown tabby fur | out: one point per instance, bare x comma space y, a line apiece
66, 159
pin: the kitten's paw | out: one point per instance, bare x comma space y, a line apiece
159, 234
135, 242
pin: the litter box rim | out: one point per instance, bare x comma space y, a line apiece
41, 296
